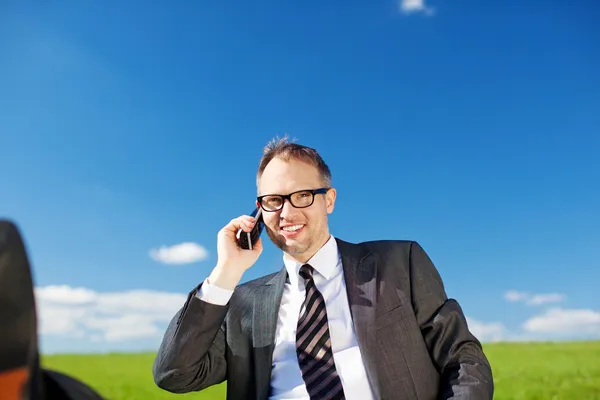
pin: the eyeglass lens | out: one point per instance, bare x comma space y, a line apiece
298, 200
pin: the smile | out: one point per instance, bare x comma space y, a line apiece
292, 228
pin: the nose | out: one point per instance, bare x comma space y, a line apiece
287, 210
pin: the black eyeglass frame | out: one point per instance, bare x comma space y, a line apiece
289, 198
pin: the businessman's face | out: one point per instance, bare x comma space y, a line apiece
300, 232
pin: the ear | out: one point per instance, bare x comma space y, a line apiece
330, 197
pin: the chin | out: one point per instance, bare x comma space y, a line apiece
293, 248
290, 245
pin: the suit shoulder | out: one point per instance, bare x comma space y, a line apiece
381, 247
389, 245
395, 249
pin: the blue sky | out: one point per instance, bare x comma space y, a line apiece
470, 127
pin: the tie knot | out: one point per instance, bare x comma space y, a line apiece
306, 271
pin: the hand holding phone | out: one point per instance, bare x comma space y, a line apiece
237, 250
247, 240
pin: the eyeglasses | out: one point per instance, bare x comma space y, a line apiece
299, 199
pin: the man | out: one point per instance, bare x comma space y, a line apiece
339, 321
21, 377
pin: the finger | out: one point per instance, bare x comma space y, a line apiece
230, 230
244, 222
248, 219
248, 222
234, 224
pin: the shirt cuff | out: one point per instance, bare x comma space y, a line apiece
213, 294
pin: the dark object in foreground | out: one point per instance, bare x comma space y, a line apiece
21, 376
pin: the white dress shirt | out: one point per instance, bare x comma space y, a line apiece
286, 377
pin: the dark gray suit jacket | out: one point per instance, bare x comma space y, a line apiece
414, 340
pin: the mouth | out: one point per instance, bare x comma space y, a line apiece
290, 231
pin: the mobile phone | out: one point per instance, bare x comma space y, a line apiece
247, 240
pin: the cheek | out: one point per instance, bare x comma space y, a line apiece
315, 218
270, 220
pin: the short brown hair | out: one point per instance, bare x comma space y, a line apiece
286, 150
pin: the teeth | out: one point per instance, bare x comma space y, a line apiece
292, 228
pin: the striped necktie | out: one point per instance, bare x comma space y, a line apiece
313, 345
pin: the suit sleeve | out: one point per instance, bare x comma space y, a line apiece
191, 356
457, 353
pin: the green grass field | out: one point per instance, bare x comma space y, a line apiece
537, 371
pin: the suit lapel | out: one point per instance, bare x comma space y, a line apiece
360, 273
264, 325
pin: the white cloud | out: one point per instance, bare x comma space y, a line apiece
571, 322
83, 313
487, 332
514, 296
415, 6
540, 299
123, 327
534, 299
113, 317
66, 295
183, 253
60, 320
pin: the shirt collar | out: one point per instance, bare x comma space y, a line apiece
324, 262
